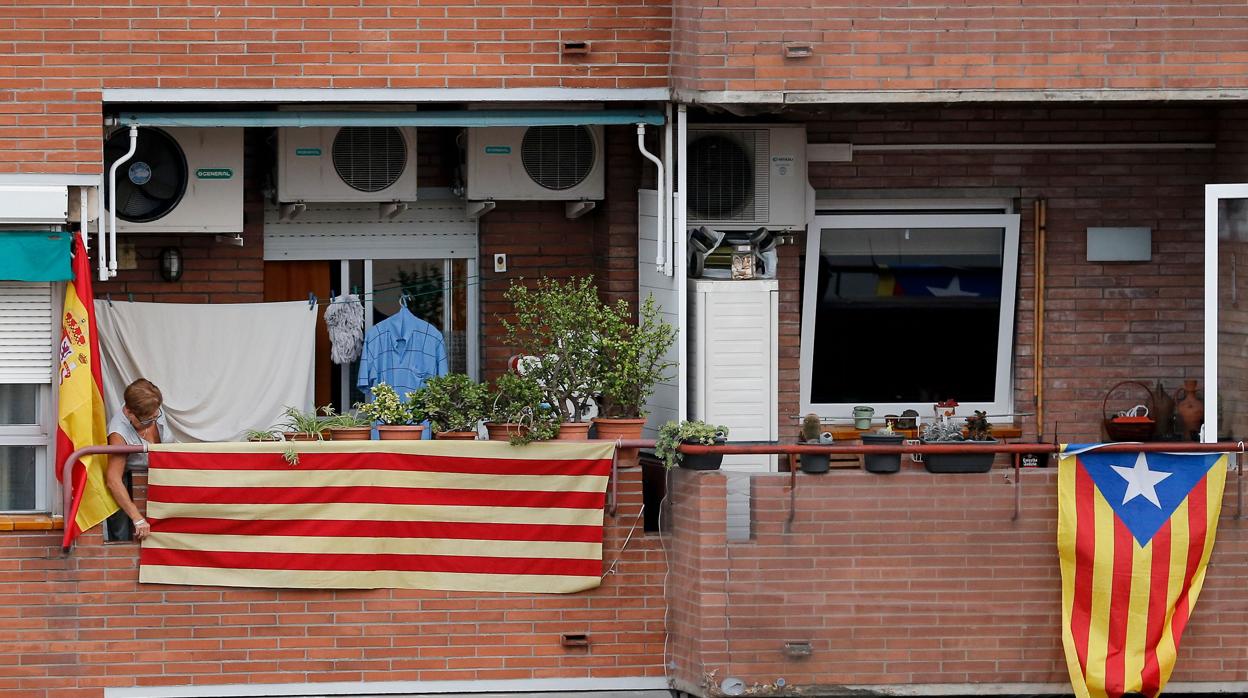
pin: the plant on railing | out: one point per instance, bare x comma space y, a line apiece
453, 402
560, 326
632, 358
518, 400
386, 407
269, 434
690, 431
978, 427
298, 421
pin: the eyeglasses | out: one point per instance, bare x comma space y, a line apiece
149, 422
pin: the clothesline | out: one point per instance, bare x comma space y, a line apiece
470, 281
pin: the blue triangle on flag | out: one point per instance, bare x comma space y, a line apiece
1138, 478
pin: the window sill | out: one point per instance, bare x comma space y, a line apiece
31, 522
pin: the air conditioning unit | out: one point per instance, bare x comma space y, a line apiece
535, 163
346, 164
747, 176
180, 180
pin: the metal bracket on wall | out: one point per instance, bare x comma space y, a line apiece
476, 209
576, 209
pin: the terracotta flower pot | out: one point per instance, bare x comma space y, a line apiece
301, 436
455, 435
400, 432
573, 431
351, 434
503, 431
613, 429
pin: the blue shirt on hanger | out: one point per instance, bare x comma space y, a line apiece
402, 351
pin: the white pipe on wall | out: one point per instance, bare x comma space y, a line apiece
682, 280
660, 255
84, 193
108, 269
667, 185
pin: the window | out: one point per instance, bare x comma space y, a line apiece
902, 310
26, 333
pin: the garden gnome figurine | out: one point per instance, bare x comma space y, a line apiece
1189, 410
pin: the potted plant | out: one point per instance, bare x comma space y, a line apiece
558, 326
515, 411
632, 359
690, 431
345, 427
395, 418
882, 462
812, 433
978, 431
302, 426
263, 435
453, 404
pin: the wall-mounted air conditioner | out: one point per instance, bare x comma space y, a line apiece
535, 163
346, 164
744, 176
179, 180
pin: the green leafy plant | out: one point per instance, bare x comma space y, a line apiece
559, 324
301, 422
386, 407
632, 357
690, 431
453, 402
943, 430
290, 455
333, 420
518, 399
263, 435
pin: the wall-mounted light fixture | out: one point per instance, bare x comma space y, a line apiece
171, 264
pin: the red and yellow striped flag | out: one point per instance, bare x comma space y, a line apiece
1134, 534
80, 413
475, 516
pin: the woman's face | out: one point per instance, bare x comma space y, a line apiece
142, 421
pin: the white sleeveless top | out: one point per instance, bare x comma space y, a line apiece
121, 426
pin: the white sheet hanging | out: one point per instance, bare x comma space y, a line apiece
223, 369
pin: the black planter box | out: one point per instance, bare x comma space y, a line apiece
958, 462
881, 462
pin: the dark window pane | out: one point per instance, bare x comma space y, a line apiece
19, 403
907, 315
17, 478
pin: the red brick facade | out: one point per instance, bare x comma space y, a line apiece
990, 47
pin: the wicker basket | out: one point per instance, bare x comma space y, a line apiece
1129, 428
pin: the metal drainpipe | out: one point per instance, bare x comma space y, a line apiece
109, 269
660, 255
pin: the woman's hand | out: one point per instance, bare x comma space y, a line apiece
142, 529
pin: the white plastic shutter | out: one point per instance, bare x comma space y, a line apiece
25, 332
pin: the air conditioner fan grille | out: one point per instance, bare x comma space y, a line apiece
369, 159
153, 181
557, 157
728, 176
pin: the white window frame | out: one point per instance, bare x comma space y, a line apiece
1003, 403
42, 435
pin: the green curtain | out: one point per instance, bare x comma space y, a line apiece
35, 256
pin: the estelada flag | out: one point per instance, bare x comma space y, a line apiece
451, 515
80, 420
1134, 534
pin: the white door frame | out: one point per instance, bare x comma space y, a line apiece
1214, 194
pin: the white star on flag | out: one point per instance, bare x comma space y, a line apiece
1141, 482
954, 289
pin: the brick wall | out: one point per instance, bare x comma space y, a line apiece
74, 625
906, 578
894, 45
50, 111
1104, 322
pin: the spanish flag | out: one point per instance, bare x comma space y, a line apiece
1134, 534
80, 420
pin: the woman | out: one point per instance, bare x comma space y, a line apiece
140, 421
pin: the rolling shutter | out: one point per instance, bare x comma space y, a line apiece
25, 332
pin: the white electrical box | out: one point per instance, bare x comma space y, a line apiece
733, 367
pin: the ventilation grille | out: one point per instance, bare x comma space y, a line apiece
557, 157
369, 159
728, 179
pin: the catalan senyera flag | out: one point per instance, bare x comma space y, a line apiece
1134, 534
80, 413
451, 515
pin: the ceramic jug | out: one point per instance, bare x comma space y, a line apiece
1189, 410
